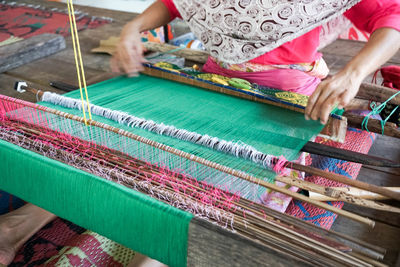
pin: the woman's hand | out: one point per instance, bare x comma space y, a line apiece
128, 57
338, 90
341, 88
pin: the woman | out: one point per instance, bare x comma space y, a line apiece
298, 58
295, 65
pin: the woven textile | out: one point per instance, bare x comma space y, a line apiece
269, 129
97, 204
23, 21
47, 243
356, 140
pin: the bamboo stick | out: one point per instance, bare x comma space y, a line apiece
362, 194
344, 180
336, 194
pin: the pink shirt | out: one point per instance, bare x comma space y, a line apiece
368, 15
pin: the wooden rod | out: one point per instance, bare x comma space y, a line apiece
345, 180
348, 155
358, 104
332, 193
362, 194
370, 91
374, 125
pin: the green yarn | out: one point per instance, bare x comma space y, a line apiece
119, 213
267, 128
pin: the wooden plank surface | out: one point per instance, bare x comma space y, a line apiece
214, 244
209, 243
28, 50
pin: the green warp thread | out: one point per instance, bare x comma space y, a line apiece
128, 217
269, 129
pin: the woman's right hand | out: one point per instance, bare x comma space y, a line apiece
128, 57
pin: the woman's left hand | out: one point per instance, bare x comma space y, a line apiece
338, 90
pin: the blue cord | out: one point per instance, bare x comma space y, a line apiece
376, 110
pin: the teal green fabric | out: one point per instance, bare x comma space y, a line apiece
269, 129
121, 214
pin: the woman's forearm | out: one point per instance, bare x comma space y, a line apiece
381, 46
154, 16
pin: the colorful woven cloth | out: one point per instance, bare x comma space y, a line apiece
91, 249
292, 80
356, 140
23, 21
47, 243
62, 243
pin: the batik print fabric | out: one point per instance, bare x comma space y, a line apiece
19, 21
238, 31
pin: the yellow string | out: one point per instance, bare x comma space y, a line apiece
78, 58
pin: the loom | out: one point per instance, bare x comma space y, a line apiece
141, 187
177, 172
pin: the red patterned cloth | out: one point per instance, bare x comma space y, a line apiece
18, 20
47, 243
62, 243
356, 140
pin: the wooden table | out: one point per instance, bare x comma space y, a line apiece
210, 241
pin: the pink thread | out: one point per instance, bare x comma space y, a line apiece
280, 165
